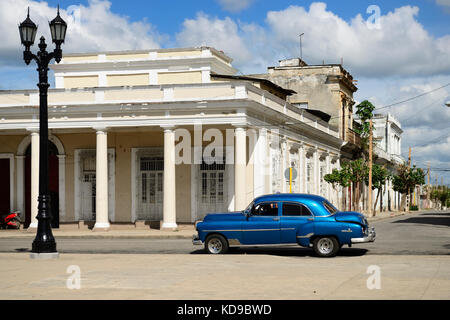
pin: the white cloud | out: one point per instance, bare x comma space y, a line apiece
97, 29
424, 120
235, 5
401, 47
222, 34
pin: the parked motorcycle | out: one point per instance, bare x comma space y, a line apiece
10, 221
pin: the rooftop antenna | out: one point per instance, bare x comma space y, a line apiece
301, 49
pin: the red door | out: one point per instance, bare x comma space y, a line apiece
53, 168
4, 187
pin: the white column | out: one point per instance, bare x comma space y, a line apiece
284, 159
34, 178
316, 171
169, 204
20, 185
328, 166
239, 169
101, 181
259, 166
302, 168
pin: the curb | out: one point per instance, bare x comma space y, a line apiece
102, 236
394, 215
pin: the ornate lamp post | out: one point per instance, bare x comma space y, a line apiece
44, 245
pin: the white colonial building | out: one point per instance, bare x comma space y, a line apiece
387, 133
158, 136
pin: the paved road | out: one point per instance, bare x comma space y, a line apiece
426, 233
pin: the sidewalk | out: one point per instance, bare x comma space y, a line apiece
185, 231
233, 276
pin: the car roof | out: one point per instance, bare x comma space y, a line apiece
289, 196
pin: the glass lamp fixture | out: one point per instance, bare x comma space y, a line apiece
27, 30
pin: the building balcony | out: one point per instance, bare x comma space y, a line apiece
353, 137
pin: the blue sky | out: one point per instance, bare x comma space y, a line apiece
407, 55
168, 15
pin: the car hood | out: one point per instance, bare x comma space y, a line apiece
227, 216
350, 216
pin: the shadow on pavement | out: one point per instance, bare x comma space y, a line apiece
289, 252
437, 214
440, 219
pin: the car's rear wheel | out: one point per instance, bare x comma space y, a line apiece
326, 246
216, 244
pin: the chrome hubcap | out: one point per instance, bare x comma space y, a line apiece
325, 246
215, 245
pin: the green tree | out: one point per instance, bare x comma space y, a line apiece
407, 179
351, 173
364, 110
380, 175
441, 194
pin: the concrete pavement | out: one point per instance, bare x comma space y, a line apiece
204, 277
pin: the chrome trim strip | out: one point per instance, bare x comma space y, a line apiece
309, 235
234, 242
244, 230
217, 230
267, 245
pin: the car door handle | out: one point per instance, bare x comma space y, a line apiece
310, 219
276, 219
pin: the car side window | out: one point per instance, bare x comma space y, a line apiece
295, 209
265, 209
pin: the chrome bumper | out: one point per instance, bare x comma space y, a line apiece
196, 241
369, 238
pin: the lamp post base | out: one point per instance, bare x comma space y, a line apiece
44, 255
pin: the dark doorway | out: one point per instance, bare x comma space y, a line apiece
53, 168
4, 186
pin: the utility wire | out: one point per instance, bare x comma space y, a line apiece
393, 104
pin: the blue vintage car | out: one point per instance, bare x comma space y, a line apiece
281, 219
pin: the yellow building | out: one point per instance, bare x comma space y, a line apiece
158, 136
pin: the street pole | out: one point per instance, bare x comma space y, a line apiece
44, 241
290, 180
371, 213
44, 245
408, 197
428, 187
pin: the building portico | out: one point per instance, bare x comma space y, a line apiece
161, 154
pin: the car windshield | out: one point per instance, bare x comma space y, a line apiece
330, 208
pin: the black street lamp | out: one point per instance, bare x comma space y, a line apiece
44, 245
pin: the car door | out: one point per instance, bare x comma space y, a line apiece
296, 222
262, 226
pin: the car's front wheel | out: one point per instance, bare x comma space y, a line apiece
326, 246
216, 244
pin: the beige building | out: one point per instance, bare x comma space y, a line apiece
159, 136
324, 90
